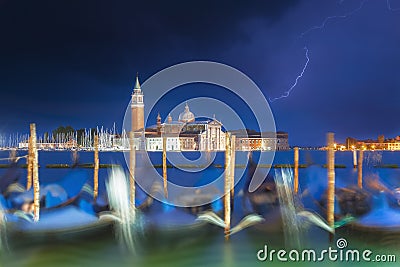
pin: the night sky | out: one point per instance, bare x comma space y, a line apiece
74, 62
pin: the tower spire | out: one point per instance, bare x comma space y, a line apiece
137, 106
137, 84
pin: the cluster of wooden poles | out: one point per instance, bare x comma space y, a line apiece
229, 176
33, 175
230, 170
331, 175
33, 171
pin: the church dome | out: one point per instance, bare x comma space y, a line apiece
186, 115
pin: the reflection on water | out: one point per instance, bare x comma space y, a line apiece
128, 223
374, 158
241, 250
228, 254
296, 220
291, 228
3, 231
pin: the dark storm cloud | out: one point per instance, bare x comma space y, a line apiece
58, 53
63, 30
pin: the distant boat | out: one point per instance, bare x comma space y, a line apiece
166, 224
265, 198
58, 193
350, 200
65, 222
65, 212
280, 208
382, 217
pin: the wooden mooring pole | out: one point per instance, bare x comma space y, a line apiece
232, 170
29, 164
164, 163
296, 170
96, 168
360, 168
331, 182
132, 166
35, 174
227, 186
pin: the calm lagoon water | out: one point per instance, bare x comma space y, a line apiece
205, 247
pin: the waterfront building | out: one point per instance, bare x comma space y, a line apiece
282, 140
380, 144
393, 146
249, 140
187, 133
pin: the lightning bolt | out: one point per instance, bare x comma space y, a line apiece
322, 26
326, 20
317, 27
390, 7
287, 93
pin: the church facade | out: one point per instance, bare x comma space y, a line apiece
188, 134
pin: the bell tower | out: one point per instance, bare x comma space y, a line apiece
137, 107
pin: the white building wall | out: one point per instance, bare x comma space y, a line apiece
268, 144
173, 144
394, 146
156, 144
